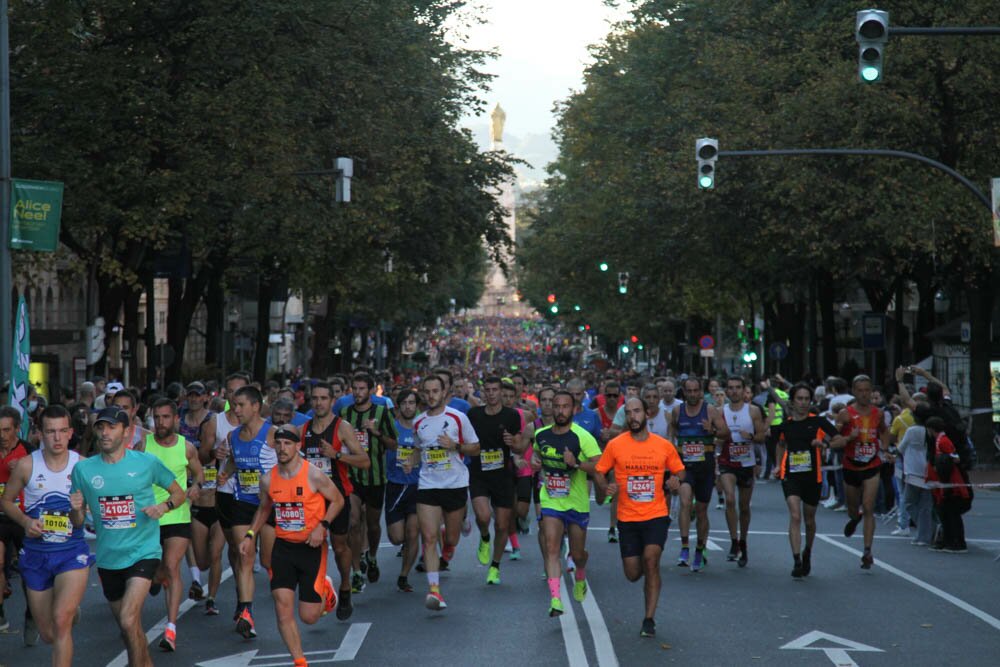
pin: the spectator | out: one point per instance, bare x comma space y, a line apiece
917, 498
954, 499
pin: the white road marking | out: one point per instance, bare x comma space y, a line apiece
837, 654
947, 597
599, 631
571, 632
122, 659
352, 641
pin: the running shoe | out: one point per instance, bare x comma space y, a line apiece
734, 551
555, 607
867, 560
196, 592
443, 565
957, 549
648, 628
210, 608
30, 632
720, 505
806, 562
682, 560
613, 535
580, 590
169, 641
699, 560
434, 601
742, 562
373, 571
329, 596
358, 582
420, 564
515, 554
483, 552
797, 570
901, 532
244, 625
493, 576
523, 525
344, 606
364, 562
852, 524
570, 564
404, 585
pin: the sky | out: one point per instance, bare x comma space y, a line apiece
542, 48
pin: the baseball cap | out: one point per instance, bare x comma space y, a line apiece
113, 415
113, 387
196, 388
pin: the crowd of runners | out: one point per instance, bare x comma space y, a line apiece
279, 477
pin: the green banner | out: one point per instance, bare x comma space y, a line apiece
20, 366
35, 211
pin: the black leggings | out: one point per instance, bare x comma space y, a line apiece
952, 527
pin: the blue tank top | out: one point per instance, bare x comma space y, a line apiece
394, 458
688, 427
253, 460
694, 443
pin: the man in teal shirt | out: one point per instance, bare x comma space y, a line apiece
117, 486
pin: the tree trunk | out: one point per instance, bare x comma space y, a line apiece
824, 293
263, 329
185, 295
215, 322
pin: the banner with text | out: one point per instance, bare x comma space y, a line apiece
35, 213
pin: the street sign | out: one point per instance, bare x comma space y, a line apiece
347, 651
707, 352
778, 350
873, 331
706, 342
837, 654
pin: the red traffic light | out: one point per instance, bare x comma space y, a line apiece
552, 298
586, 327
634, 339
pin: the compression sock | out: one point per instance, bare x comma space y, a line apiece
554, 586
514, 542
580, 574
433, 580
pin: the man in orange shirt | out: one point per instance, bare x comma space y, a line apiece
641, 461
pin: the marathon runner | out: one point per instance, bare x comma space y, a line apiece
743, 426
129, 402
12, 448
252, 447
180, 457
508, 396
55, 559
565, 453
442, 436
641, 462
491, 473
213, 453
800, 441
606, 410
117, 486
401, 489
207, 539
866, 441
375, 429
304, 502
693, 425
330, 444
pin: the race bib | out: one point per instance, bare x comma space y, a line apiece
322, 462
693, 452
211, 478
56, 527
403, 455
742, 454
640, 488
436, 458
363, 439
249, 481
557, 486
290, 517
800, 461
2, 487
864, 452
491, 459
117, 512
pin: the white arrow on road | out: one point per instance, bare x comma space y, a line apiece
837, 654
346, 652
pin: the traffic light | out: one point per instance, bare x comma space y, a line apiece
551, 298
603, 266
707, 152
554, 309
576, 307
749, 357
623, 282
634, 339
625, 348
872, 32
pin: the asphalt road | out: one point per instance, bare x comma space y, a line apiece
915, 607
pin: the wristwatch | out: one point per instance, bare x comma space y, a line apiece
336, 456
325, 523
170, 505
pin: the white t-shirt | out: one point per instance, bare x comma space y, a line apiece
658, 424
441, 468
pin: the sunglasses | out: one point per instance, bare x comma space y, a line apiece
612, 395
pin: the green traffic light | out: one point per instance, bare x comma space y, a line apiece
705, 181
624, 349
639, 346
554, 309
604, 266
622, 289
576, 307
870, 73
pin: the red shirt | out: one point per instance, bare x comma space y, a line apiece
7, 464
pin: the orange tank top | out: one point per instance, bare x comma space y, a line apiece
297, 508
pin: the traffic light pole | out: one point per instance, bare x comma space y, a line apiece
870, 152
6, 276
943, 32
